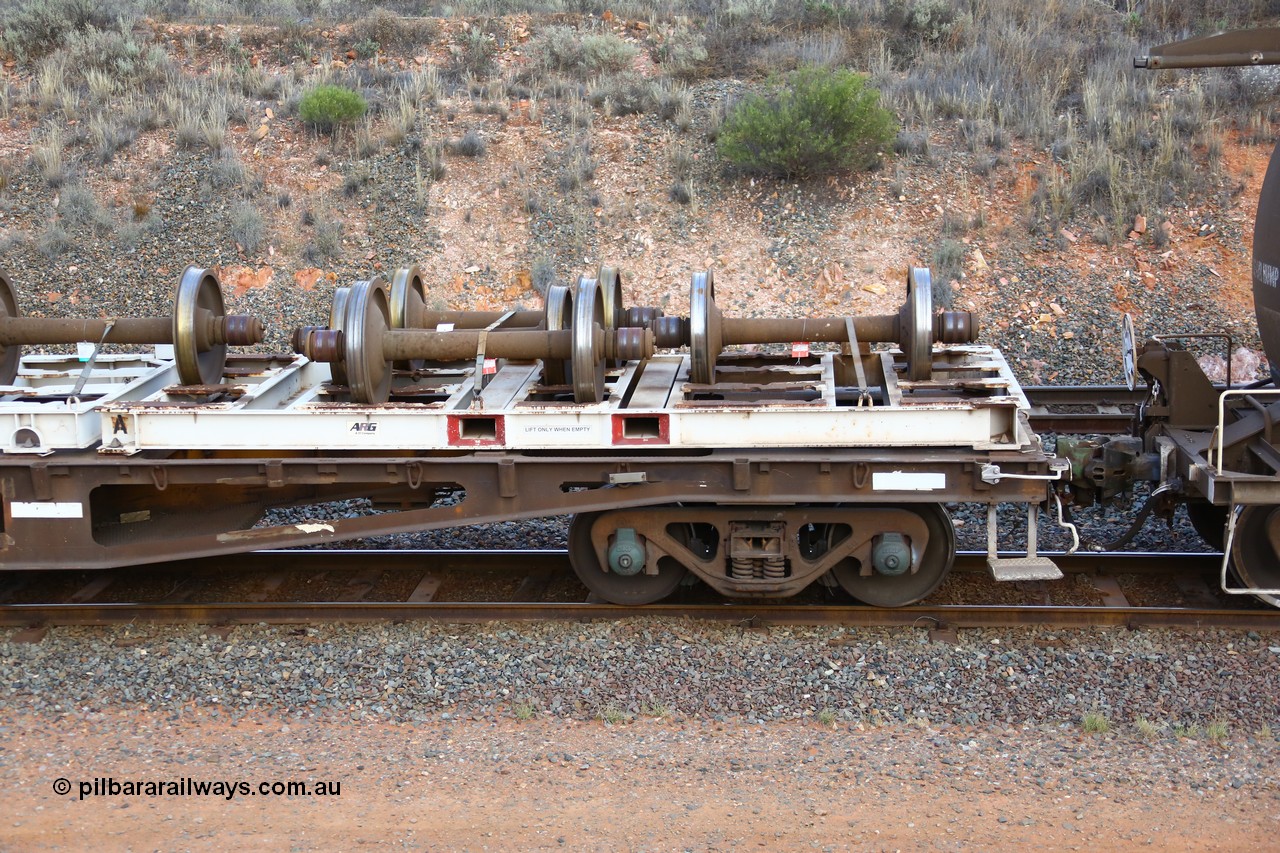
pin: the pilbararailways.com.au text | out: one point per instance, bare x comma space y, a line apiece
228, 789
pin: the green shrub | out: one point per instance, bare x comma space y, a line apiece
811, 122
326, 107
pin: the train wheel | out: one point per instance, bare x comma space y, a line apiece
1255, 550
890, 590
621, 585
1209, 521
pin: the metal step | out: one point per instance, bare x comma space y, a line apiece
1023, 569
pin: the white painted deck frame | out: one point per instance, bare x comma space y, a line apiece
289, 408
38, 415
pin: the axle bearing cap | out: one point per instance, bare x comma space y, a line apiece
626, 554
890, 555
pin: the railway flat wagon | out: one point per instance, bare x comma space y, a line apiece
756, 455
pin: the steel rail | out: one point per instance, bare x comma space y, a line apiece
445, 560
750, 614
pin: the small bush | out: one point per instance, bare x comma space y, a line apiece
1096, 723
683, 52
327, 107
326, 240
613, 716
606, 53
473, 54
109, 137
625, 94
213, 127
247, 227
432, 162
471, 144
948, 266
557, 49
913, 142
561, 49
77, 207
226, 172
577, 167
53, 242
389, 31
47, 157
36, 28
355, 182
811, 122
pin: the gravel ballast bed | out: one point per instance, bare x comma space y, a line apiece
422, 671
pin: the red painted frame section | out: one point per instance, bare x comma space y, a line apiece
455, 431
620, 430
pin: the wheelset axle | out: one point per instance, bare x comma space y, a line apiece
199, 329
365, 344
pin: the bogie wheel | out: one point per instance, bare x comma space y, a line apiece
406, 303
705, 338
557, 312
615, 315
337, 319
631, 590
918, 343
1255, 550
588, 360
881, 590
197, 291
408, 298
368, 317
1209, 521
10, 356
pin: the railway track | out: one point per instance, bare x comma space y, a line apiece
177, 593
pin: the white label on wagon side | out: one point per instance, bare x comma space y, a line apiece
46, 509
904, 481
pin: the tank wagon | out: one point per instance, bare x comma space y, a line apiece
1212, 447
